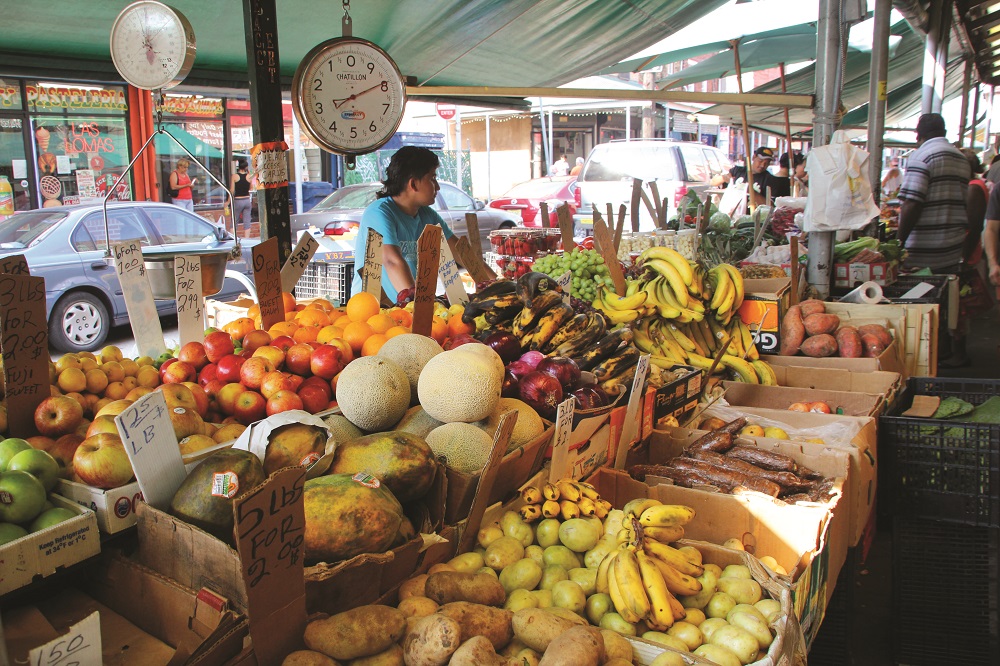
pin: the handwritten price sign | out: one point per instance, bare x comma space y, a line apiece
81, 646
24, 342
148, 436
450, 276
371, 272
138, 296
566, 282
297, 261
190, 302
428, 259
560, 447
15, 264
267, 279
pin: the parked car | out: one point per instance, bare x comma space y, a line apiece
342, 210
525, 198
67, 245
674, 166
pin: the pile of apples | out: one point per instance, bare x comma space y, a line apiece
26, 477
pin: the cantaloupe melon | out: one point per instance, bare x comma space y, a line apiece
529, 424
410, 352
461, 385
341, 430
417, 422
485, 352
461, 446
373, 393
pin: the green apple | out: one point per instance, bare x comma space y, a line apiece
552, 574
9, 448
585, 578
547, 532
49, 518
597, 605
10, 532
21, 497
569, 595
39, 464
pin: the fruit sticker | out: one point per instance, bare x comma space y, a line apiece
225, 484
309, 459
366, 479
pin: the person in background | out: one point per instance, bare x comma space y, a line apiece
762, 178
241, 196
400, 213
892, 179
560, 167
976, 200
993, 174
781, 182
800, 178
577, 168
181, 183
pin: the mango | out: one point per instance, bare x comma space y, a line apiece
205, 498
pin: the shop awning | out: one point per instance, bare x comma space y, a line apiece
197, 147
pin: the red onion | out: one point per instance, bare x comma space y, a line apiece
504, 344
602, 395
532, 358
564, 369
510, 387
459, 340
519, 369
587, 398
542, 392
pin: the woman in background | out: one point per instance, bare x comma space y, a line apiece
241, 197
181, 183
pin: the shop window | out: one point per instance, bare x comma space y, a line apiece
123, 225
79, 158
176, 226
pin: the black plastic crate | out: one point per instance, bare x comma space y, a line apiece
903, 283
943, 469
944, 593
834, 643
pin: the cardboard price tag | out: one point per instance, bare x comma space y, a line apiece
450, 277
148, 436
560, 443
428, 260
80, 645
270, 528
472, 228
297, 261
566, 282
371, 272
142, 315
472, 262
486, 480
24, 343
632, 412
267, 279
15, 264
190, 302
606, 246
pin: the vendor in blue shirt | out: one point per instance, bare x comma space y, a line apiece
400, 213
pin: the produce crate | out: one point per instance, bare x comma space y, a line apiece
834, 643
321, 279
944, 593
947, 469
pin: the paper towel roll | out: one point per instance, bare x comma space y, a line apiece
869, 293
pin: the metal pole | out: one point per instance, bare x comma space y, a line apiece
989, 121
877, 95
552, 132
296, 151
746, 125
941, 57
546, 156
788, 129
489, 175
975, 120
964, 118
458, 145
930, 56
628, 122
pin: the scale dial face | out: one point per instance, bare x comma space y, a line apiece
349, 95
152, 45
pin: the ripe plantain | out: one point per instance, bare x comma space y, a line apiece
667, 515
661, 615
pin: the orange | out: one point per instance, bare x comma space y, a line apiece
283, 328
401, 317
238, 328
362, 307
340, 320
328, 333
356, 333
253, 311
312, 317
373, 344
457, 327
439, 330
306, 334
396, 330
321, 304
289, 301
381, 323
290, 315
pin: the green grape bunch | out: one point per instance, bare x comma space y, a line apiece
587, 267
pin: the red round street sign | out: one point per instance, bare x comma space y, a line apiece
446, 111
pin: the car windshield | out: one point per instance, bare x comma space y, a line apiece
22, 229
349, 198
535, 189
624, 161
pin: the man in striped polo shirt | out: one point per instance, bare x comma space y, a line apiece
932, 219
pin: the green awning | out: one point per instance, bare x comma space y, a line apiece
756, 55
197, 147
904, 101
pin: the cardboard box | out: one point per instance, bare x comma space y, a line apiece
677, 399
220, 313
853, 274
780, 397
145, 619
766, 301
887, 361
886, 384
43, 553
115, 508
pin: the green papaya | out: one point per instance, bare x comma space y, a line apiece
205, 498
348, 515
400, 460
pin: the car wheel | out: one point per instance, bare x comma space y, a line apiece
506, 224
79, 322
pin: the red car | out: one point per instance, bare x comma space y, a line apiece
525, 197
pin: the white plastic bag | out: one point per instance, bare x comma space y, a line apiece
840, 194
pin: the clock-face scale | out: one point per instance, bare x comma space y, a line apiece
349, 95
152, 45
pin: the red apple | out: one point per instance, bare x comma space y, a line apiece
297, 359
163, 367
458, 341
226, 397
326, 362
36, 442
279, 381
250, 407
200, 398
195, 354
282, 342
255, 339
212, 389
65, 448
101, 461
217, 345
314, 397
209, 373
178, 395
179, 372
57, 416
103, 423
283, 401
253, 370
186, 422
227, 369
246, 353
320, 382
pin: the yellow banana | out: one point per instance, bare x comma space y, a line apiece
697, 286
531, 495
743, 369
678, 609
568, 490
667, 515
736, 339
530, 513
681, 339
672, 257
678, 583
664, 534
630, 585
632, 286
550, 491
661, 615
673, 279
722, 336
737, 279
602, 571
725, 285
765, 373
707, 339
568, 510
672, 556
613, 301
588, 490
641, 338
727, 303
587, 506
603, 508
550, 509
621, 317
700, 362
665, 362
637, 507
619, 601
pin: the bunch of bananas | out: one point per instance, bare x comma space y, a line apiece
644, 576
564, 499
726, 284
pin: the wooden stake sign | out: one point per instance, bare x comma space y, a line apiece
371, 271
620, 226
148, 435
486, 480
606, 246
267, 279
566, 227
629, 433
428, 260
543, 212
297, 262
634, 204
472, 228
450, 277
560, 443
477, 268
138, 296
15, 264
190, 302
24, 342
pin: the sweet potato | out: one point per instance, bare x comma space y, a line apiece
818, 324
812, 306
793, 332
431, 641
447, 586
820, 346
849, 342
873, 345
877, 330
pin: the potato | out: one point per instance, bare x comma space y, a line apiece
359, 632
513, 648
413, 587
579, 646
709, 581
616, 646
709, 626
448, 586
617, 662
738, 641
694, 616
521, 575
441, 566
615, 622
477, 651
754, 625
848, 342
391, 657
818, 324
741, 590
812, 306
687, 632
879, 331
769, 608
526, 657
744, 608
431, 641
417, 607
736, 571
308, 658
519, 599
719, 655
467, 562
480, 620
567, 614
668, 658
872, 345
536, 628
666, 639
691, 554
793, 331
819, 346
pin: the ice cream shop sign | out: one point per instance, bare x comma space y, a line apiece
86, 138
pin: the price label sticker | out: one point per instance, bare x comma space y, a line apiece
450, 277
560, 444
80, 645
566, 282
147, 432
15, 264
24, 343
371, 272
428, 260
142, 314
267, 279
297, 261
632, 412
190, 302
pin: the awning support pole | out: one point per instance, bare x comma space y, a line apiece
930, 56
746, 125
941, 57
964, 117
788, 128
975, 120
877, 95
